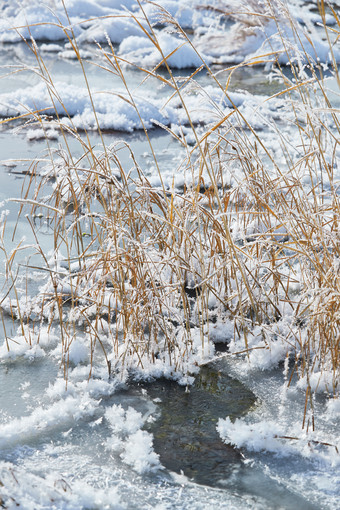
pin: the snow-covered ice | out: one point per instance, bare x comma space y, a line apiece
82, 444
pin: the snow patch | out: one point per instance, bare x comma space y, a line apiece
177, 52
29, 491
135, 445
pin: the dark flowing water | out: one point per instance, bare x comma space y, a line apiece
187, 441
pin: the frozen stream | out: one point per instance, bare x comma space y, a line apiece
63, 454
89, 445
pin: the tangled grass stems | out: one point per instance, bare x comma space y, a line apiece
153, 268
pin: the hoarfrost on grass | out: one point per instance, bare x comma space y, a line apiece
269, 345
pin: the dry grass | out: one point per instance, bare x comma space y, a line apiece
151, 267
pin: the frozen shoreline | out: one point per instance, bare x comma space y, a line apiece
271, 436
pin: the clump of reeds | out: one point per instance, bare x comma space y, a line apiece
258, 245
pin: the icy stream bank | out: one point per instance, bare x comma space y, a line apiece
90, 444
61, 445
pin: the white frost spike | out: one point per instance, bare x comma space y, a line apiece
139, 453
134, 444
